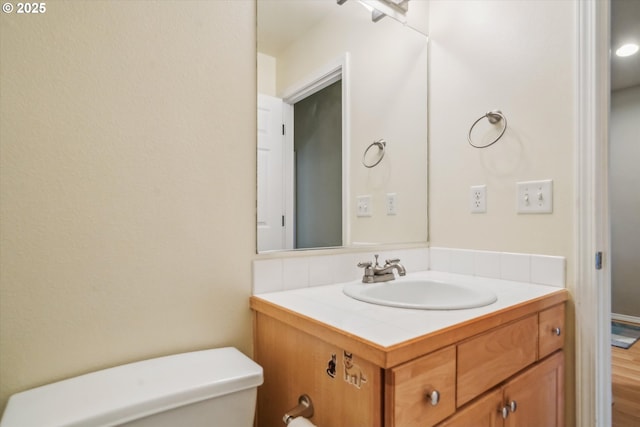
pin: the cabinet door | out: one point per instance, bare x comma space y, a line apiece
408, 390
538, 394
484, 412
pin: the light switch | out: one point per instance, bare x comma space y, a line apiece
363, 205
535, 196
392, 204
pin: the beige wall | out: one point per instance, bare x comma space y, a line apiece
266, 74
127, 135
516, 56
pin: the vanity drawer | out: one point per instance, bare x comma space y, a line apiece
492, 357
551, 330
410, 390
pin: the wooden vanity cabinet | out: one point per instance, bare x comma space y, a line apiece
476, 370
533, 398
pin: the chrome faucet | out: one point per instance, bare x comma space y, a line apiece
376, 273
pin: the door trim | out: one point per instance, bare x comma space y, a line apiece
330, 73
592, 286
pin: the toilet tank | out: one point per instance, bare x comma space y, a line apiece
211, 387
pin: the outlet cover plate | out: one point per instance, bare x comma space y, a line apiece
478, 199
535, 196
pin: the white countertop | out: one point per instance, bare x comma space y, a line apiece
387, 326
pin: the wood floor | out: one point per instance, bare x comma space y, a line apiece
625, 372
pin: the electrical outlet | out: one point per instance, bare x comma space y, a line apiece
363, 206
392, 205
535, 196
478, 199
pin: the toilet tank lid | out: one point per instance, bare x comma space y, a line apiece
132, 391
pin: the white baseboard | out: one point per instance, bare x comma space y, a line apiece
625, 318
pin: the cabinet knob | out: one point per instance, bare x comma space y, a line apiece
557, 331
505, 412
433, 397
509, 407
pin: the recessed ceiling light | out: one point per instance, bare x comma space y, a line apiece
627, 49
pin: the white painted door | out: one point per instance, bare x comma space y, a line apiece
270, 174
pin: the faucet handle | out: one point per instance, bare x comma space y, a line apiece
364, 264
392, 261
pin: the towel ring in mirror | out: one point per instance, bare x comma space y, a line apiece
494, 116
381, 144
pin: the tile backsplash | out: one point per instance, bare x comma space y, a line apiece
530, 268
280, 274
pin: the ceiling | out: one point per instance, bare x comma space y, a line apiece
625, 28
285, 14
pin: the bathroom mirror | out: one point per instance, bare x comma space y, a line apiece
332, 82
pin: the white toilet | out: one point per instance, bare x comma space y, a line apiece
203, 388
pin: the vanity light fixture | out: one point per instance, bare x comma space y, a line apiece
397, 9
627, 49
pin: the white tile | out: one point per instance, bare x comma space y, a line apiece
426, 261
548, 270
345, 267
333, 296
462, 261
267, 276
387, 326
414, 259
440, 259
515, 267
487, 264
378, 331
295, 273
321, 270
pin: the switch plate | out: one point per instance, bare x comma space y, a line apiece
535, 196
392, 204
478, 199
363, 206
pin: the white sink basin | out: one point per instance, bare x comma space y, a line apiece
420, 294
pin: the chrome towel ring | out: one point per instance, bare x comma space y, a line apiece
381, 144
494, 116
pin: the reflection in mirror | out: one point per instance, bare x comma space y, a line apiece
317, 144
334, 81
